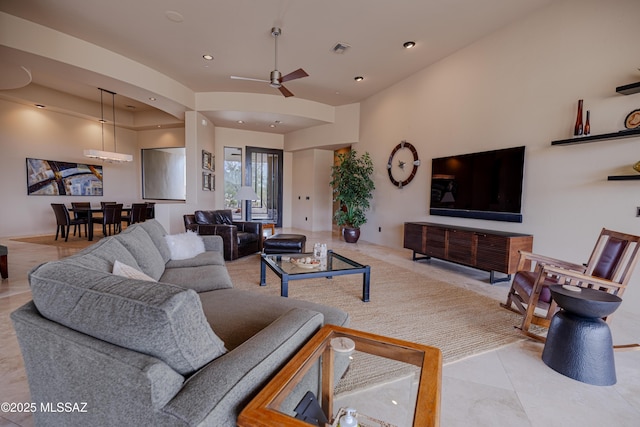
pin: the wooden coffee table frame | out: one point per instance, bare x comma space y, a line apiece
260, 411
356, 268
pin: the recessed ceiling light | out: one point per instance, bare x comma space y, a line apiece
358, 78
409, 44
152, 98
272, 125
39, 106
240, 121
208, 57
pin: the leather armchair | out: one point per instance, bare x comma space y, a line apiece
240, 238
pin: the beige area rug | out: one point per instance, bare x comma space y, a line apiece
74, 242
404, 305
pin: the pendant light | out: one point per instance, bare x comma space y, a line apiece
109, 156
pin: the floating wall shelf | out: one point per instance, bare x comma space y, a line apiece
629, 89
624, 177
593, 138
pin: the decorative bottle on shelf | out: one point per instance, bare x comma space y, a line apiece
577, 130
587, 125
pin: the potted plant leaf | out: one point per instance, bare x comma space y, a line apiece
352, 189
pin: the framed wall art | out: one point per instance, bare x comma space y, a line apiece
56, 178
206, 160
206, 181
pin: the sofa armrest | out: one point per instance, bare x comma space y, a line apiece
216, 394
213, 243
229, 234
249, 227
64, 365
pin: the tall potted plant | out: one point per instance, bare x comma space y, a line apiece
352, 189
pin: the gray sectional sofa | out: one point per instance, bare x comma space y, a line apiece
185, 350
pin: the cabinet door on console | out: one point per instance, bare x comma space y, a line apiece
493, 253
436, 238
414, 237
462, 247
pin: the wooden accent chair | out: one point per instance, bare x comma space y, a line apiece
64, 221
609, 268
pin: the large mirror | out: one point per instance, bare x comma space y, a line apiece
164, 173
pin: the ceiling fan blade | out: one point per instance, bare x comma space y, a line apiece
297, 74
250, 79
283, 90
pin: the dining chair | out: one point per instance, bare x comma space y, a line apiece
99, 218
64, 221
609, 269
112, 219
138, 213
151, 210
79, 213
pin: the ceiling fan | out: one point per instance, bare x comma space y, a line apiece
276, 78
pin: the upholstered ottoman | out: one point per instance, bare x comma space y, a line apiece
285, 243
4, 268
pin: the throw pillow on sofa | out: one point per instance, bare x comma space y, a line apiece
129, 272
148, 257
185, 245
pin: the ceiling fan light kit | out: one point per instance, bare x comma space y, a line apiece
275, 77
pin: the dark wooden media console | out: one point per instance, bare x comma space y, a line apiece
492, 251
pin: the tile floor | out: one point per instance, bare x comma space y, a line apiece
507, 387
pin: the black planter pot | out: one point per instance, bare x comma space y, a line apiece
351, 235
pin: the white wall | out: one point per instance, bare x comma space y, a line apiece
520, 86
310, 190
40, 133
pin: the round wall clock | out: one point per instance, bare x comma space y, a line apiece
403, 164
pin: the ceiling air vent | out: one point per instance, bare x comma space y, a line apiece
340, 48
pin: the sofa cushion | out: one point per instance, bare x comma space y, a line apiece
102, 255
205, 217
139, 244
201, 279
185, 245
157, 232
120, 269
223, 216
253, 312
159, 319
205, 258
246, 238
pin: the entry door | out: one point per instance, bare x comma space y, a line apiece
264, 175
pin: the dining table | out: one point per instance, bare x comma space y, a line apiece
90, 211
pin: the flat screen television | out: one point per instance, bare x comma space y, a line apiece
486, 185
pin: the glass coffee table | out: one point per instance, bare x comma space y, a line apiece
286, 268
391, 403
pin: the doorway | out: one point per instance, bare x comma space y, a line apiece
232, 180
264, 174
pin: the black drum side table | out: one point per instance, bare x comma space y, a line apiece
579, 343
